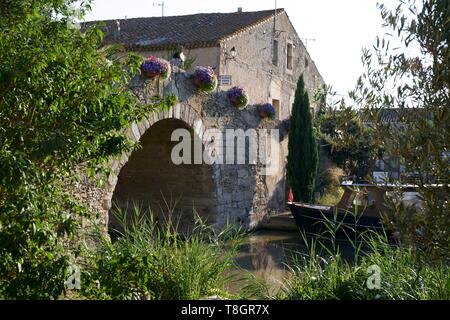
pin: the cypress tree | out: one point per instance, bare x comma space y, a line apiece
302, 146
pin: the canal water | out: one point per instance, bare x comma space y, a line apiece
266, 254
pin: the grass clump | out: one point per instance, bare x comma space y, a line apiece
329, 276
149, 261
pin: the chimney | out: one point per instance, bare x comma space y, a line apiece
117, 31
239, 9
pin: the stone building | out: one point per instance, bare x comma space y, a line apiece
267, 63
260, 51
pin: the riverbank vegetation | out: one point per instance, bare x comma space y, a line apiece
403, 99
64, 102
380, 271
409, 70
151, 261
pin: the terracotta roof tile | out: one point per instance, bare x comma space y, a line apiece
197, 30
392, 115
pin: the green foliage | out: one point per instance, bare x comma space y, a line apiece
331, 183
319, 277
320, 97
303, 154
377, 270
152, 262
349, 143
63, 102
414, 78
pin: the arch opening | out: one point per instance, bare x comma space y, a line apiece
151, 181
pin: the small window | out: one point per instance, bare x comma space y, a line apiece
289, 56
306, 62
275, 52
276, 105
394, 164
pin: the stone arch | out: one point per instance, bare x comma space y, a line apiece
154, 134
241, 191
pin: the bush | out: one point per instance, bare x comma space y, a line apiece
63, 103
349, 143
331, 185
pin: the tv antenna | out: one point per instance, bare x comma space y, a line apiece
160, 4
276, 33
306, 41
274, 18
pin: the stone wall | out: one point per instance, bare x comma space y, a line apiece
153, 182
237, 193
253, 67
254, 70
234, 192
208, 56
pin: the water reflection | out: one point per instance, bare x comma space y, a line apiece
267, 255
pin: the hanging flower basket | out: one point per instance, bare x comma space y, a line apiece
285, 124
154, 67
238, 97
266, 110
204, 79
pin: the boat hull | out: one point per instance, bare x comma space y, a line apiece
317, 220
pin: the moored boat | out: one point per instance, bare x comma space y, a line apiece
358, 211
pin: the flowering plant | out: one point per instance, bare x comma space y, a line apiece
204, 79
285, 124
155, 67
238, 97
266, 110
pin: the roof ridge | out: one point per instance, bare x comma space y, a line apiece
185, 15
251, 25
205, 29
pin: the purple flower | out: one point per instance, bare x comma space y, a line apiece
235, 92
204, 78
238, 97
267, 109
285, 123
154, 66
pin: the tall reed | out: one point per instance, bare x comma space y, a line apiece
152, 261
325, 274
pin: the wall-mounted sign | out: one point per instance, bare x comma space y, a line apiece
225, 80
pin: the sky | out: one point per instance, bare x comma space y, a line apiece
339, 28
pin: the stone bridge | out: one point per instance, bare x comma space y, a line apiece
239, 193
